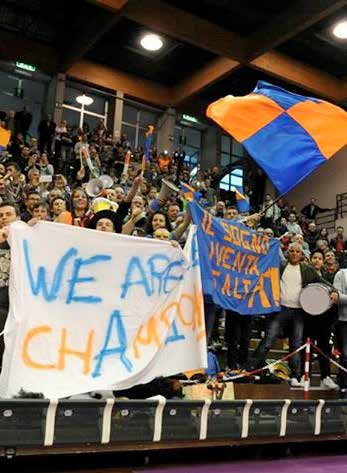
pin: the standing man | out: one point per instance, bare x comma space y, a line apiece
311, 210
46, 132
8, 214
295, 275
271, 212
237, 326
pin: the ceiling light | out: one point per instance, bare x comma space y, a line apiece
84, 100
340, 30
151, 42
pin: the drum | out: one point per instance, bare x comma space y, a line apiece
315, 298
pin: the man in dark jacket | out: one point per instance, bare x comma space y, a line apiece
295, 275
46, 132
311, 210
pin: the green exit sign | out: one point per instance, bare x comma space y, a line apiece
25, 67
189, 118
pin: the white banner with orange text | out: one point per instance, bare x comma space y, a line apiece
91, 311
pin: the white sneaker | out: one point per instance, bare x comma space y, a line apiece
294, 383
302, 381
328, 383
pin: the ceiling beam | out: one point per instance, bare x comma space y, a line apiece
112, 5
253, 51
166, 19
301, 15
112, 79
205, 77
299, 74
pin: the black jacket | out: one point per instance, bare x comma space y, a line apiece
311, 211
308, 274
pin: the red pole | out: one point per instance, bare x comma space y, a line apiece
307, 368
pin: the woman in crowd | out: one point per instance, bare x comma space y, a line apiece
80, 214
324, 235
57, 206
44, 165
331, 266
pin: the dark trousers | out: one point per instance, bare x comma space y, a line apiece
341, 338
237, 337
290, 322
210, 316
3, 317
319, 329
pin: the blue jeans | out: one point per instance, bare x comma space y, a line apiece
291, 322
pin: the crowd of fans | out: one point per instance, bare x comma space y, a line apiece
52, 177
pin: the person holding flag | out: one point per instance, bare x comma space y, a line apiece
148, 142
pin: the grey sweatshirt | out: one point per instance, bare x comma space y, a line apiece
340, 283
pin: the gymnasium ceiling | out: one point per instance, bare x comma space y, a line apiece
211, 47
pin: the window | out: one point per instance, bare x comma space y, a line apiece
234, 179
190, 140
76, 114
231, 150
134, 123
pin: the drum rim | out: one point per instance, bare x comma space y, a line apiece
326, 291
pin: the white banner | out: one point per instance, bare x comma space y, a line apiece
92, 311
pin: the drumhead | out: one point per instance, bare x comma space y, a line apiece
315, 299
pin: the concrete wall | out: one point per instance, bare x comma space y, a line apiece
210, 147
330, 179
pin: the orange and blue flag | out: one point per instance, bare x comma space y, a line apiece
148, 141
242, 202
287, 134
5, 136
189, 192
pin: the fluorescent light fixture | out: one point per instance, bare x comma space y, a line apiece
151, 42
25, 67
189, 118
84, 100
340, 29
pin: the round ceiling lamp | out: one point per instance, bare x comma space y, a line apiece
340, 30
84, 100
151, 42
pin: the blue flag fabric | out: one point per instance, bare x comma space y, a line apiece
242, 202
239, 267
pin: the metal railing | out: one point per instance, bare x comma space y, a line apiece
33, 422
341, 205
328, 219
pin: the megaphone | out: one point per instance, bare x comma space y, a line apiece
94, 187
106, 180
167, 188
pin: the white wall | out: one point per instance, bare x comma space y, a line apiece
330, 179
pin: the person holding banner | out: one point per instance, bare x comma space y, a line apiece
8, 213
106, 221
294, 276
